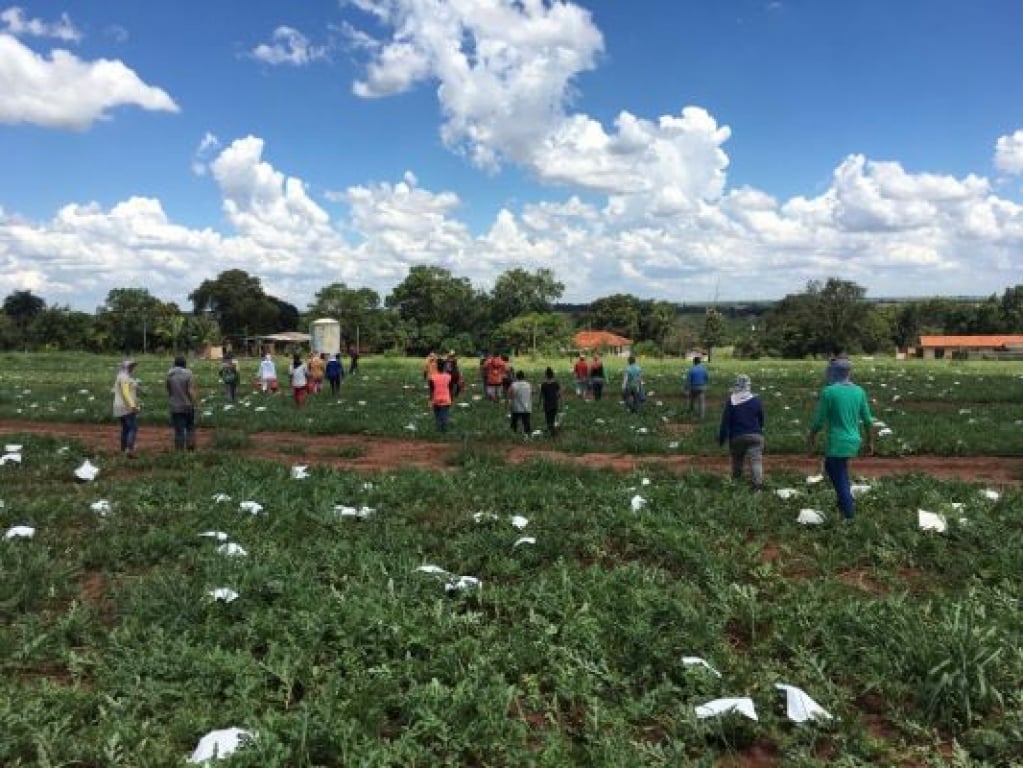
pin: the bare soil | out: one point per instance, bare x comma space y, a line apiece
377, 454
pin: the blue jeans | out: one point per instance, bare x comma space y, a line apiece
129, 431
184, 430
442, 414
837, 470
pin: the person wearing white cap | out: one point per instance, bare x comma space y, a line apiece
742, 427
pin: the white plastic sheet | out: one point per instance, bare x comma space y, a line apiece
20, 532
814, 479
799, 707
219, 498
859, 489
101, 507
360, 513
929, 521
519, 522
12, 448
217, 744
252, 507
223, 595
10, 458
786, 493
217, 535
300, 472
524, 540
697, 661
462, 584
434, 570
87, 471
810, 517
717, 707
480, 517
990, 495
637, 503
232, 550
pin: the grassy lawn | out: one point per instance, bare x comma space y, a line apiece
338, 652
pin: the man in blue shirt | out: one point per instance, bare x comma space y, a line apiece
696, 387
742, 427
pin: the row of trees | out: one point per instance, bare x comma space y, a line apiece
432, 309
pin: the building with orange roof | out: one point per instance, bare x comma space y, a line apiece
965, 347
602, 341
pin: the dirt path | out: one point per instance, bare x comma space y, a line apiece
365, 453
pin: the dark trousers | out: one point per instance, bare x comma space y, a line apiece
551, 417
837, 470
335, 384
597, 387
442, 415
231, 390
129, 431
524, 418
184, 430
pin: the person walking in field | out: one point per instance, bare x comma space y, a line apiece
333, 372
229, 378
317, 366
697, 379
520, 403
268, 374
742, 427
184, 399
550, 398
494, 370
581, 374
353, 359
126, 406
597, 377
843, 410
299, 380
632, 385
457, 380
440, 398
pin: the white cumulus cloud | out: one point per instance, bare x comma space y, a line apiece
13, 20
1009, 153
63, 91
289, 46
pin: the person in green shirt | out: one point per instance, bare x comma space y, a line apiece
843, 409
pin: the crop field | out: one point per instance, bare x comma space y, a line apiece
944, 409
354, 640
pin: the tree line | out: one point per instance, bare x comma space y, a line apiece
433, 309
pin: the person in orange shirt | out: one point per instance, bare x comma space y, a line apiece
440, 398
495, 369
581, 373
317, 365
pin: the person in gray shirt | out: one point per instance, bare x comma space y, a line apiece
183, 399
520, 403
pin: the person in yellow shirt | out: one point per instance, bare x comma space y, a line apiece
126, 406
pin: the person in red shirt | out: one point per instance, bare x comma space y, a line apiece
581, 372
495, 370
440, 398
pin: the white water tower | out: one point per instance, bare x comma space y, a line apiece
325, 336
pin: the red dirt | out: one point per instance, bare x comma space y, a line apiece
762, 753
388, 453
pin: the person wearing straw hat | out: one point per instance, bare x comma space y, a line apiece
126, 406
742, 427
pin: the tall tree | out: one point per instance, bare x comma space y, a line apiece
130, 317
518, 292
436, 305
713, 331
238, 302
618, 313
22, 307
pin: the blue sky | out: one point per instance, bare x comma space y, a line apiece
668, 149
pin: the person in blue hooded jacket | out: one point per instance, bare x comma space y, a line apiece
742, 427
697, 379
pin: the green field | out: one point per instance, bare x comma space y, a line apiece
945, 409
339, 652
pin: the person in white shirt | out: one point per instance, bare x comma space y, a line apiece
268, 374
520, 403
299, 380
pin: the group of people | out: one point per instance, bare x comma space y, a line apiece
182, 393
842, 408
842, 411
305, 375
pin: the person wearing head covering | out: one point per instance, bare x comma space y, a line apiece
268, 374
184, 398
229, 376
742, 427
836, 363
126, 406
842, 409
